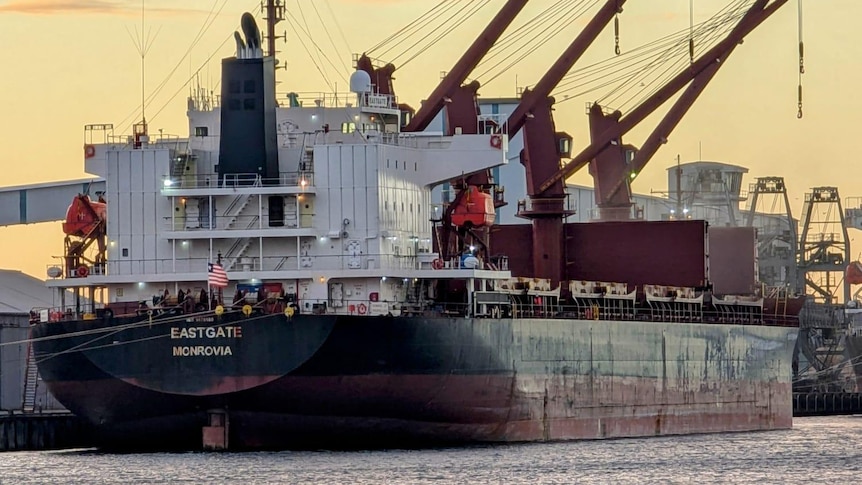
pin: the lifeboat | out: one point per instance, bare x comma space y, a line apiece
83, 215
854, 273
475, 209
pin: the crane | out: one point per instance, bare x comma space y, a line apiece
533, 113
544, 147
458, 99
613, 164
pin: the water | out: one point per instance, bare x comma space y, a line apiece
816, 450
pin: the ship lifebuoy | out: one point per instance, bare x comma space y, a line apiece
437, 263
82, 271
496, 141
361, 308
89, 151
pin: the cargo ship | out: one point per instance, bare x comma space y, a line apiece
280, 279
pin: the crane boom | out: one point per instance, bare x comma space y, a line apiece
465, 65
754, 17
698, 84
532, 98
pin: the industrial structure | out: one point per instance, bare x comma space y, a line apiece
20, 387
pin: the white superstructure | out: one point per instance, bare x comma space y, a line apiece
346, 222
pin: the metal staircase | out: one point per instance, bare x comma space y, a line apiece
239, 247
233, 211
31, 378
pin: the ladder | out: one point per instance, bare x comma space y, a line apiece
31, 377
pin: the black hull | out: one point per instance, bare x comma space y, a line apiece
347, 382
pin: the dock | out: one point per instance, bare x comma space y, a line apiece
43, 431
826, 403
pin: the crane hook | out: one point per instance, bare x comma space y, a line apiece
617, 35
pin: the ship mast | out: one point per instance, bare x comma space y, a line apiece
274, 13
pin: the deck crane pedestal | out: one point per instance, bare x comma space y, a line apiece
544, 147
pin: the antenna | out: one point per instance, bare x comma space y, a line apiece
143, 42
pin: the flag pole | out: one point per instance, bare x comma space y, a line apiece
218, 260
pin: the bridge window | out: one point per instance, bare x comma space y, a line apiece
201, 130
248, 86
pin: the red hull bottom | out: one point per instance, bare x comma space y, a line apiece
424, 410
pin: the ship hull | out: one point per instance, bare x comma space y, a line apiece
344, 382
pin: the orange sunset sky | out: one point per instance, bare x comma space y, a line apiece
67, 63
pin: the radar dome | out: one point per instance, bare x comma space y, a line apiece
360, 82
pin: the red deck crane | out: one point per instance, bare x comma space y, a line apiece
544, 147
611, 165
532, 113
458, 99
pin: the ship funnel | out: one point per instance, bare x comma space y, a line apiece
248, 142
252, 37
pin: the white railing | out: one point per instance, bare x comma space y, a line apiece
211, 180
245, 263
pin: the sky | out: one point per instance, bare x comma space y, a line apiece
73, 62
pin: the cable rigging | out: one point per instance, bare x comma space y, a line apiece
329, 37
710, 36
205, 25
640, 68
476, 7
569, 17
801, 58
404, 30
416, 30
538, 23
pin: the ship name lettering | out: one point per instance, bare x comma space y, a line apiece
206, 332
202, 350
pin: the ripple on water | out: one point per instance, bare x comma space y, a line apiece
816, 450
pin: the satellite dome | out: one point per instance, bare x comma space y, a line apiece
360, 82
470, 262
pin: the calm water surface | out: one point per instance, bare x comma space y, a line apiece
817, 450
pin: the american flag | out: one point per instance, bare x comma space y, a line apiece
216, 275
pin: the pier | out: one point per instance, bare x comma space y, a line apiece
43, 431
826, 403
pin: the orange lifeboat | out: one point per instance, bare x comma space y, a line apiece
475, 209
83, 215
854, 273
